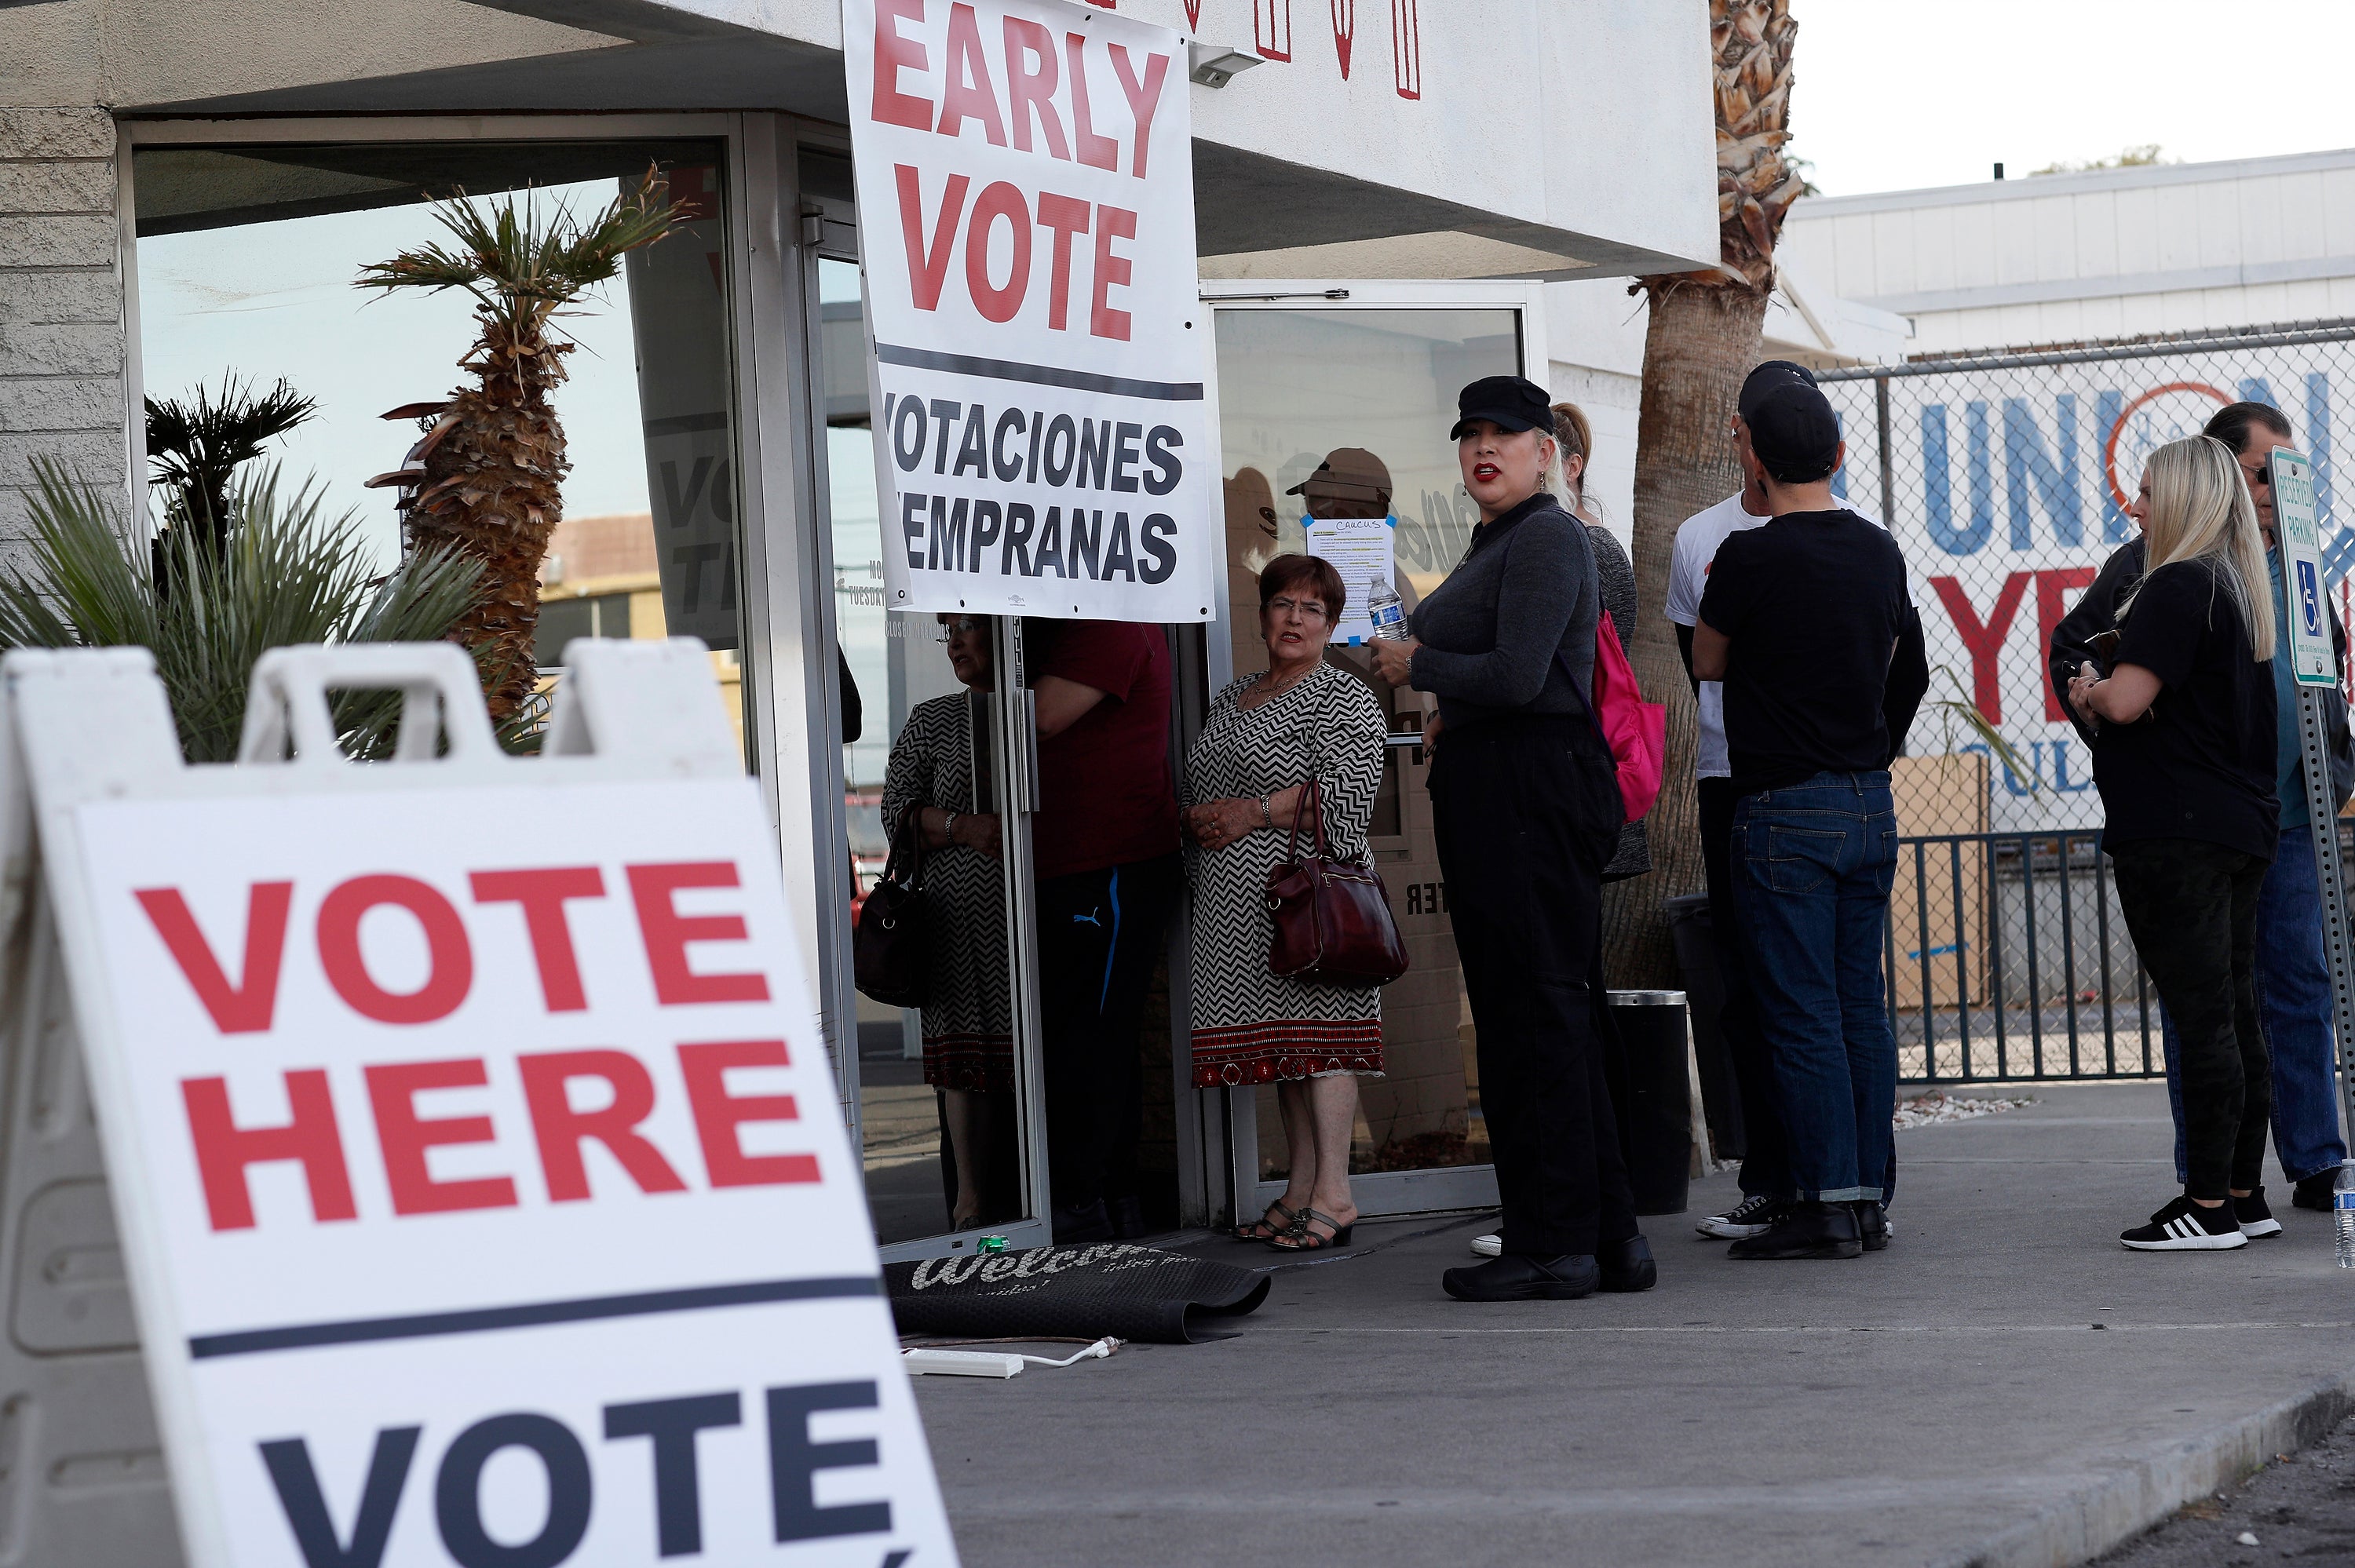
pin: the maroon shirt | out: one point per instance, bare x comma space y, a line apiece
1104, 792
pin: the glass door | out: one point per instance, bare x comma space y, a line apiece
1335, 402
939, 1083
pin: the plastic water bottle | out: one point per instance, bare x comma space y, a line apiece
1385, 610
2342, 1212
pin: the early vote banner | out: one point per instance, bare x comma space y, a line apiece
482, 1178
1026, 218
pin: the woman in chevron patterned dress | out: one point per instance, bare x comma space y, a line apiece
1264, 736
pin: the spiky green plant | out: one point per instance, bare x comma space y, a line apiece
1960, 709
288, 573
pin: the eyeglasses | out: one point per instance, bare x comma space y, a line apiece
2262, 474
956, 624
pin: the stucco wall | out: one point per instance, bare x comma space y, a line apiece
61, 335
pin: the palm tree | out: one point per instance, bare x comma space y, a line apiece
1701, 341
196, 447
486, 475
287, 574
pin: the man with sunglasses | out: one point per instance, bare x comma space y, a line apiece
2293, 976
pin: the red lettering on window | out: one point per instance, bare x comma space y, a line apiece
1984, 638
2049, 613
450, 966
224, 1148
1102, 151
559, 1128
928, 271
896, 52
667, 932
1112, 272
542, 892
719, 1116
405, 1136
245, 1008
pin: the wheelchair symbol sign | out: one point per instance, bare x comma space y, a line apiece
2309, 599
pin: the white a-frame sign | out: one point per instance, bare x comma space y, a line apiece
480, 1190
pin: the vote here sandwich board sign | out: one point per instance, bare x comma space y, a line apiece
1025, 210
478, 1166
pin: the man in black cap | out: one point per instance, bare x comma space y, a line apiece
1801, 620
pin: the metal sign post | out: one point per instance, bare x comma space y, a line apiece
2306, 624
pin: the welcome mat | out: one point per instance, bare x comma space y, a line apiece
1118, 1287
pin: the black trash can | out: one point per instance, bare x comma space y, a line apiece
1692, 929
1655, 1110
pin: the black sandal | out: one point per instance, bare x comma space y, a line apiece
1299, 1237
1258, 1230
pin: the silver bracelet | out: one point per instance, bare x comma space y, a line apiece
948, 828
1265, 815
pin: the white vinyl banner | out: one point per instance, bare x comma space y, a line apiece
488, 1197
1026, 210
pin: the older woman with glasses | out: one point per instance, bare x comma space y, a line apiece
968, 1013
1265, 736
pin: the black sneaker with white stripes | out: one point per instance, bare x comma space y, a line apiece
2184, 1226
2255, 1216
1751, 1217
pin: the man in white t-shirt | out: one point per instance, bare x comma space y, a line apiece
1765, 1163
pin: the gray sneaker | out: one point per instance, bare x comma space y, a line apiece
1487, 1247
1751, 1217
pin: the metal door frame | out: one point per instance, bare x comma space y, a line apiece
1229, 1117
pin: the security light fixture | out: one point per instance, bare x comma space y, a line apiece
1215, 66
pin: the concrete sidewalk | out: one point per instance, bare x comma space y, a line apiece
2006, 1384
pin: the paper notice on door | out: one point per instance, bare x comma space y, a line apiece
1363, 549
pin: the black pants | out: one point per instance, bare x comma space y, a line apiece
1528, 813
1765, 1152
1099, 936
2192, 909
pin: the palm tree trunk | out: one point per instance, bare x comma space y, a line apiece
1702, 340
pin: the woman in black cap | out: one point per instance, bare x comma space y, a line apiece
1524, 798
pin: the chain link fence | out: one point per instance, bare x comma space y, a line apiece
2005, 478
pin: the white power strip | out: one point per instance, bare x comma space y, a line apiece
961, 1363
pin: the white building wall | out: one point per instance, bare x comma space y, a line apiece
61, 331
2109, 253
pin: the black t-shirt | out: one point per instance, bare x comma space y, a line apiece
1814, 602
2202, 767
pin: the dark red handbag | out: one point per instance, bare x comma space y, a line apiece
1331, 918
891, 948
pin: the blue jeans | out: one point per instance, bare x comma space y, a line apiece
2294, 1000
1813, 863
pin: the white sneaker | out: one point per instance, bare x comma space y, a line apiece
1487, 1247
1751, 1217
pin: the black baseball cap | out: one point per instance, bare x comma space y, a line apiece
1795, 433
1514, 402
1768, 378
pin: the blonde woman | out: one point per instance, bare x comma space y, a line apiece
2184, 752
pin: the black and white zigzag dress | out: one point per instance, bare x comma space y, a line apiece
1250, 1027
968, 1022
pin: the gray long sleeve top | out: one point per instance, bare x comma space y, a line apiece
1511, 631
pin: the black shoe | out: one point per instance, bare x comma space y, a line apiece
2256, 1219
2184, 1226
1082, 1223
1127, 1217
1806, 1230
1751, 1217
1628, 1265
2314, 1191
1871, 1224
1514, 1277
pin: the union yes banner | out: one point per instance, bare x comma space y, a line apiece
1025, 178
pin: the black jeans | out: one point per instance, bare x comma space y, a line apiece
2192, 909
1099, 936
1528, 814
1765, 1152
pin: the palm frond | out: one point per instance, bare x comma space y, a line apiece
1960, 709
195, 445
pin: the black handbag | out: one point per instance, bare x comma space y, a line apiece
892, 944
1331, 917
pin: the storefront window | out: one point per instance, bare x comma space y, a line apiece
1344, 413
249, 262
